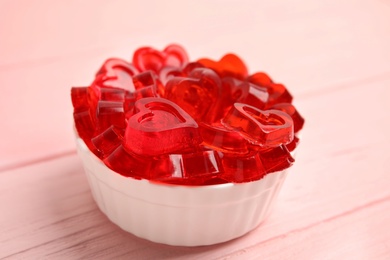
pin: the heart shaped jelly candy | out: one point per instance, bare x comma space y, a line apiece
131, 165
277, 92
148, 85
192, 168
258, 96
293, 112
294, 143
220, 138
147, 58
110, 113
276, 159
242, 168
228, 66
106, 142
268, 128
82, 115
233, 91
116, 73
79, 99
159, 126
197, 95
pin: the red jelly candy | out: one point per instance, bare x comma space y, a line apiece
233, 91
112, 94
197, 95
243, 168
276, 159
193, 168
159, 126
167, 73
147, 85
85, 126
294, 143
116, 73
222, 139
130, 165
79, 99
110, 113
277, 92
228, 66
291, 111
268, 128
147, 58
190, 67
107, 141
96, 93
258, 96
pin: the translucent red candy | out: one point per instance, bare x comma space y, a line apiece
268, 128
277, 93
168, 120
197, 94
192, 168
242, 168
228, 66
147, 58
106, 142
276, 159
222, 139
116, 73
291, 111
159, 126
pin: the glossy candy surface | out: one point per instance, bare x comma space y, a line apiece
168, 120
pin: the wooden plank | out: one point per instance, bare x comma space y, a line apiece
340, 182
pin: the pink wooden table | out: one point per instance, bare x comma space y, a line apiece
333, 55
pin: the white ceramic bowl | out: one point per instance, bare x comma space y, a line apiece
180, 215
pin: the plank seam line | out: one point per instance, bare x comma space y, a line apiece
51, 241
37, 160
359, 208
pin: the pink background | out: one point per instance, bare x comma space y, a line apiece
334, 56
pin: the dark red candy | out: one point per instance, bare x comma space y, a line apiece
159, 126
222, 139
116, 73
268, 128
193, 168
108, 141
293, 144
197, 95
167, 73
85, 126
233, 91
147, 85
242, 168
79, 99
190, 67
147, 58
112, 94
129, 165
258, 96
293, 112
110, 113
228, 66
277, 92
276, 159
97, 93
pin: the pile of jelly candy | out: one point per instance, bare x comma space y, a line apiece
165, 119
